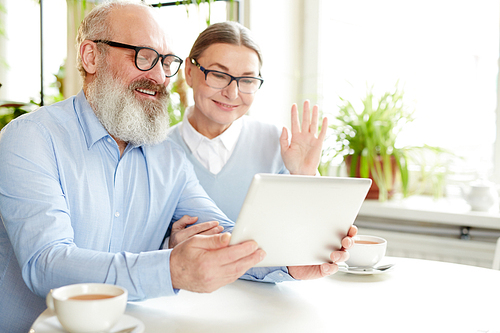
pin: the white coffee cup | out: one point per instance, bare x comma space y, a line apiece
367, 251
88, 307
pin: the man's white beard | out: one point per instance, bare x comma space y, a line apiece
123, 115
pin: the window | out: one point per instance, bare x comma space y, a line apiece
185, 22
445, 54
20, 48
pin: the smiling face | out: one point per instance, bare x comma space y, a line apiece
136, 26
216, 109
130, 103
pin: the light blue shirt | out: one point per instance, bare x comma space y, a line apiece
74, 211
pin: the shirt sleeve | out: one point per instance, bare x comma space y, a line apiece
38, 221
196, 202
268, 274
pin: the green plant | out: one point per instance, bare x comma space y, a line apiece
11, 110
430, 167
178, 101
198, 3
368, 132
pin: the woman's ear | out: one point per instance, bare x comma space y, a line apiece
188, 72
88, 53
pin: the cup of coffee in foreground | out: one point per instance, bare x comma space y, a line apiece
367, 251
88, 307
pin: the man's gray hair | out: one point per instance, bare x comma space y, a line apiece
96, 25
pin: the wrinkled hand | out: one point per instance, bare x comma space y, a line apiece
180, 232
206, 263
319, 271
303, 154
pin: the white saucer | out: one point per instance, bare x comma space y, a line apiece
51, 324
345, 269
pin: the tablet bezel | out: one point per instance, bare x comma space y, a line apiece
279, 213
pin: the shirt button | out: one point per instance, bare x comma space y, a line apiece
109, 140
280, 274
117, 214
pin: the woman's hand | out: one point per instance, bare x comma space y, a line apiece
302, 155
325, 269
181, 232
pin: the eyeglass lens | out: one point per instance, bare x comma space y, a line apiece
220, 80
147, 58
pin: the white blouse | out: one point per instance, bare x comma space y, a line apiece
214, 153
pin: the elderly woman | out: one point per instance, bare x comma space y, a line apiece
228, 148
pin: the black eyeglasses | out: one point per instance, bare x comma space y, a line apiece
146, 58
220, 80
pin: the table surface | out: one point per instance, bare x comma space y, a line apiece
416, 296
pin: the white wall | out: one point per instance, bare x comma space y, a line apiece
277, 27
288, 32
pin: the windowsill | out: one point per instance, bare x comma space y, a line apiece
450, 211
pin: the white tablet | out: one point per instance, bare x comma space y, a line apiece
299, 220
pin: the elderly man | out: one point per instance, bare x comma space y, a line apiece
89, 186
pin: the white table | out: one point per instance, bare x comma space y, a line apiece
416, 296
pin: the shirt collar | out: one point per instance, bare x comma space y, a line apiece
91, 126
193, 138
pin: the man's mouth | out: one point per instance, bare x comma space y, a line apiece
146, 91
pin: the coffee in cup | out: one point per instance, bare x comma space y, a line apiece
88, 307
367, 251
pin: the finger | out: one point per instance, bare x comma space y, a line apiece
183, 222
306, 117
183, 234
230, 272
295, 119
314, 120
213, 242
222, 253
284, 140
347, 242
201, 227
339, 256
328, 269
353, 230
239, 267
324, 128
234, 253
213, 231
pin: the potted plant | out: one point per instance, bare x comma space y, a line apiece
365, 134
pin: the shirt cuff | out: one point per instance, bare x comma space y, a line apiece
156, 280
268, 274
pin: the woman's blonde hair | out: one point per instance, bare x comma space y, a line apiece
226, 33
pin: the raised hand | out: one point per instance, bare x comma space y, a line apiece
180, 232
206, 263
302, 155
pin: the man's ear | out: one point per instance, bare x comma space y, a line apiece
88, 53
188, 67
